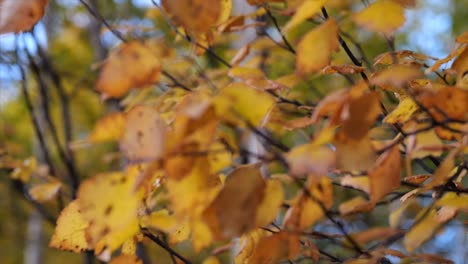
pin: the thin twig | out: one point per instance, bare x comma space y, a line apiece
163, 245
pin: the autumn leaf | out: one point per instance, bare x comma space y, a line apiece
421, 231
385, 176
17, 16
277, 247
108, 128
310, 159
315, 49
111, 221
371, 17
229, 218
306, 208
305, 11
69, 234
144, 134
238, 100
116, 79
208, 13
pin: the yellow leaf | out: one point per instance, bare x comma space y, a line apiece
116, 77
454, 200
17, 16
211, 260
245, 73
359, 182
110, 127
190, 195
384, 177
354, 205
112, 221
69, 233
144, 134
45, 191
307, 10
241, 100
228, 217
403, 112
272, 201
129, 247
371, 17
160, 220
201, 235
315, 49
305, 210
422, 231
24, 171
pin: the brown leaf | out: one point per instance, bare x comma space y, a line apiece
228, 217
385, 176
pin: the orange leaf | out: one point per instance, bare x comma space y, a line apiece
17, 16
116, 77
385, 176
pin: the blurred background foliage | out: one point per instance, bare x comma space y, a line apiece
76, 44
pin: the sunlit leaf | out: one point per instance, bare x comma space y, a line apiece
237, 100
371, 17
315, 49
112, 221
69, 233
306, 10
306, 209
110, 127
423, 230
